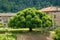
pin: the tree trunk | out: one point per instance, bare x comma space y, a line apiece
30, 29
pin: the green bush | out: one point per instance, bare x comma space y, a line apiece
1, 25
57, 34
7, 37
2, 30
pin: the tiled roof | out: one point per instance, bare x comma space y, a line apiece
50, 9
7, 14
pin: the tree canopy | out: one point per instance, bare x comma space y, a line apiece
30, 18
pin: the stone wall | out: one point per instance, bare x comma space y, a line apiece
56, 20
34, 37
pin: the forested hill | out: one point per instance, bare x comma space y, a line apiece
16, 5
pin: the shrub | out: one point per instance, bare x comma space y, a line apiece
7, 37
57, 34
1, 25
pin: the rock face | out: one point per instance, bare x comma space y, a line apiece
33, 37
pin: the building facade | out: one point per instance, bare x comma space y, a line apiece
54, 13
4, 18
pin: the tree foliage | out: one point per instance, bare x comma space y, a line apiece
30, 18
57, 34
16, 5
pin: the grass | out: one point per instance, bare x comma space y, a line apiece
21, 30
26, 29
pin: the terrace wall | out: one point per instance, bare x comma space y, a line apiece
34, 37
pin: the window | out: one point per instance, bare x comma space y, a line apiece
0, 19
5, 20
47, 12
54, 16
4, 25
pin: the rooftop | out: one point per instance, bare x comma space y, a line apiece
7, 14
50, 9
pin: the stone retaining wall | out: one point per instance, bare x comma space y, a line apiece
33, 37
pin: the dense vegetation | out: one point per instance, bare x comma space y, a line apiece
7, 37
16, 5
57, 34
30, 18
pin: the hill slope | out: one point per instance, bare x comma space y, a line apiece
16, 5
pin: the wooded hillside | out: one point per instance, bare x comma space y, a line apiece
16, 5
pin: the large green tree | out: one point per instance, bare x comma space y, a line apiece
30, 18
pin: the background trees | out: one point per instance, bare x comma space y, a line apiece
30, 18
16, 5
